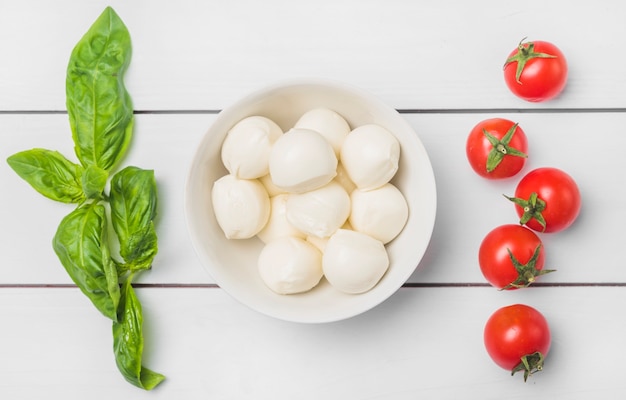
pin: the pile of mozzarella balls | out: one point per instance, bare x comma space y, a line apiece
318, 196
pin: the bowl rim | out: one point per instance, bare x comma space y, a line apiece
369, 301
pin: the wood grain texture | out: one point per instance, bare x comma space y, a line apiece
439, 63
422, 54
421, 342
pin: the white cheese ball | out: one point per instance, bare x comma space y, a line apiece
380, 213
241, 206
343, 178
277, 225
319, 212
272, 189
302, 160
290, 265
354, 262
319, 243
370, 156
246, 148
332, 126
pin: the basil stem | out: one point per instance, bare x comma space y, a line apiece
133, 200
81, 244
49, 173
128, 341
99, 107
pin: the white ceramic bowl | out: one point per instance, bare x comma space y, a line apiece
233, 263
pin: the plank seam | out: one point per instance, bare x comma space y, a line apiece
567, 110
405, 286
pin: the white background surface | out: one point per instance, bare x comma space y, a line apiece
439, 62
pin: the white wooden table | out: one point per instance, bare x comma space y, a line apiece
439, 63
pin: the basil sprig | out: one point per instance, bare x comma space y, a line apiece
101, 119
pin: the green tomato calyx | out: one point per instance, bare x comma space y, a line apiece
525, 52
533, 207
501, 148
530, 364
526, 273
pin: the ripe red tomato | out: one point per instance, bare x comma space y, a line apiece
511, 257
496, 148
547, 200
517, 338
536, 71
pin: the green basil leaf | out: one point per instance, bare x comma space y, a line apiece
128, 342
94, 180
133, 200
99, 107
49, 173
141, 248
81, 244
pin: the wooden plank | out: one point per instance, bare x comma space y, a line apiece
427, 55
468, 206
421, 342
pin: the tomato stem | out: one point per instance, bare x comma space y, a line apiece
530, 364
532, 209
500, 148
526, 273
525, 52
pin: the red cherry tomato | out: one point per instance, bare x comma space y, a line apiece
547, 200
536, 71
517, 338
511, 257
496, 148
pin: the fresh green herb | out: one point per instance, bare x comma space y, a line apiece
128, 342
99, 107
101, 119
81, 244
50, 173
94, 180
133, 208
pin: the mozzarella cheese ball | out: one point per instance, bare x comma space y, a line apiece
380, 213
272, 189
241, 206
328, 123
277, 225
290, 265
246, 148
302, 160
354, 262
318, 242
370, 155
343, 178
319, 212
